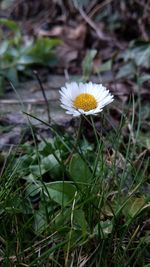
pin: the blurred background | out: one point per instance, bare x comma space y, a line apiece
104, 41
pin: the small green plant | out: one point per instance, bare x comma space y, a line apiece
16, 55
136, 59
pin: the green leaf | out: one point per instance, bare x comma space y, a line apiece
126, 70
12, 75
33, 187
74, 239
143, 78
139, 51
36, 171
87, 63
27, 60
51, 165
61, 192
79, 171
62, 218
48, 165
144, 139
142, 55
33, 190
3, 47
40, 52
106, 66
12, 25
134, 206
49, 162
46, 148
40, 221
79, 221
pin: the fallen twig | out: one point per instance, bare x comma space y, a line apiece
25, 101
101, 35
92, 24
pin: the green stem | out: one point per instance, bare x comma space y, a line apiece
95, 131
77, 139
79, 132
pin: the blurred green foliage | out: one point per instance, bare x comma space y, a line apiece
16, 54
135, 58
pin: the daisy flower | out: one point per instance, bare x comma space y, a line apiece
84, 98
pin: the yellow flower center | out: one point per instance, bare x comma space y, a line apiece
85, 101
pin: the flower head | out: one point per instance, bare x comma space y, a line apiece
84, 98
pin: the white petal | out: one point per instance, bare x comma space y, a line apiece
72, 90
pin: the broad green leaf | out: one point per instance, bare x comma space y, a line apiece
79, 171
51, 165
134, 206
49, 162
139, 51
32, 190
48, 165
61, 192
126, 70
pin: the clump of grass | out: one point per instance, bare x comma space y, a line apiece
90, 210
